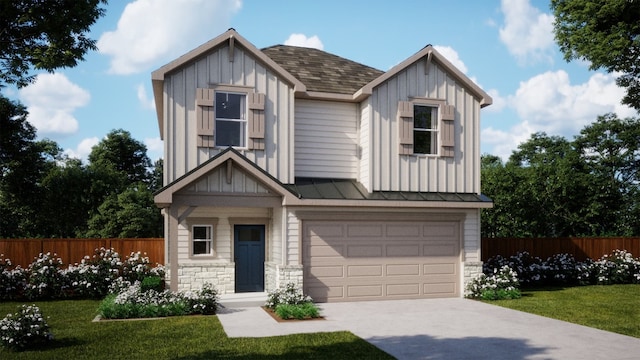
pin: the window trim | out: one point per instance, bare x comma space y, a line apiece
245, 121
213, 223
434, 130
439, 105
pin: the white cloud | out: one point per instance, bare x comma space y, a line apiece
450, 54
304, 41
499, 102
155, 148
144, 100
550, 103
51, 101
83, 149
153, 30
527, 32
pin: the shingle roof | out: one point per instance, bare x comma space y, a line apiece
321, 71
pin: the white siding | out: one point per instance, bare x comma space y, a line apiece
182, 153
471, 233
427, 173
326, 142
365, 141
292, 254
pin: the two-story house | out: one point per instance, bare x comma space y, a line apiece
290, 164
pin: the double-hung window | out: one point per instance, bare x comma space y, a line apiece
202, 239
425, 129
231, 119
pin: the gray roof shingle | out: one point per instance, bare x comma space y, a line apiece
321, 71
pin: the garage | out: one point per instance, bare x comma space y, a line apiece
381, 260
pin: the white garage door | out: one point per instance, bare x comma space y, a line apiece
367, 260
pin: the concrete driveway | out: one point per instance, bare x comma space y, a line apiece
442, 329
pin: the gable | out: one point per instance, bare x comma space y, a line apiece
228, 178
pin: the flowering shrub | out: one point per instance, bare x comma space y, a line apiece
502, 284
619, 267
25, 328
45, 279
290, 294
290, 303
133, 302
93, 277
13, 281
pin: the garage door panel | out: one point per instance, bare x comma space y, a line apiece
365, 251
364, 291
403, 289
403, 250
327, 271
395, 260
364, 231
364, 270
403, 269
438, 269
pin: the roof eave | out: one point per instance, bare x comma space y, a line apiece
432, 54
158, 76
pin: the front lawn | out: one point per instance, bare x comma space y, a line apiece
608, 307
185, 337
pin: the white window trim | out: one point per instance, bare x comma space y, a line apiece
211, 222
438, 104
235, 91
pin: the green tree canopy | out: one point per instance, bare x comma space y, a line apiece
44, 35
606, 33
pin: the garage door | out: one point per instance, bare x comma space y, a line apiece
367, 260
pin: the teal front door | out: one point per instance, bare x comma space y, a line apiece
249, 257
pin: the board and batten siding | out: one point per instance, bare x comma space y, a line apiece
391, 171
182, 152
326, 139
365, 147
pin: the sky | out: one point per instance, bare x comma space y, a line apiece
505, 46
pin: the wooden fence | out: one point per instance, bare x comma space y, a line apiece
580, 248
23, 251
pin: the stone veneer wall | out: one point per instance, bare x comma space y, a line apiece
277, 276
471, 270
192, 277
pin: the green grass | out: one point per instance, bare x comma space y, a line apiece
608, 307
186, 337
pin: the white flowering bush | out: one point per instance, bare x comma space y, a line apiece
93, 277
134, 302
289, 294
45, 280
289, 302
25, 328
619, 267
502, 284
12, 281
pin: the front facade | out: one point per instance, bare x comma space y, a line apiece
289, 164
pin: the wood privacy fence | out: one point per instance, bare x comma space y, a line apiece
580, 248
23, 251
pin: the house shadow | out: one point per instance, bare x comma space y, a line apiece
471, 347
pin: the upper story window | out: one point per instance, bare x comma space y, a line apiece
425, 129
231, 119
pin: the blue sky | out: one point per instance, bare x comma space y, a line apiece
506, 46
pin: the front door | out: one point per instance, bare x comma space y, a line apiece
249, 257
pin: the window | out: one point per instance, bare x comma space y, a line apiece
202, 239
231, 119
425, 129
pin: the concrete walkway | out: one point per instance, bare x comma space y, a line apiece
439, 329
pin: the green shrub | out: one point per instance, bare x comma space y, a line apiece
152, 283
26, 328
297, 311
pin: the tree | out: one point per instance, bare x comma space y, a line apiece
611, 149
127, 156
44, 35
23, 163
606, 33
